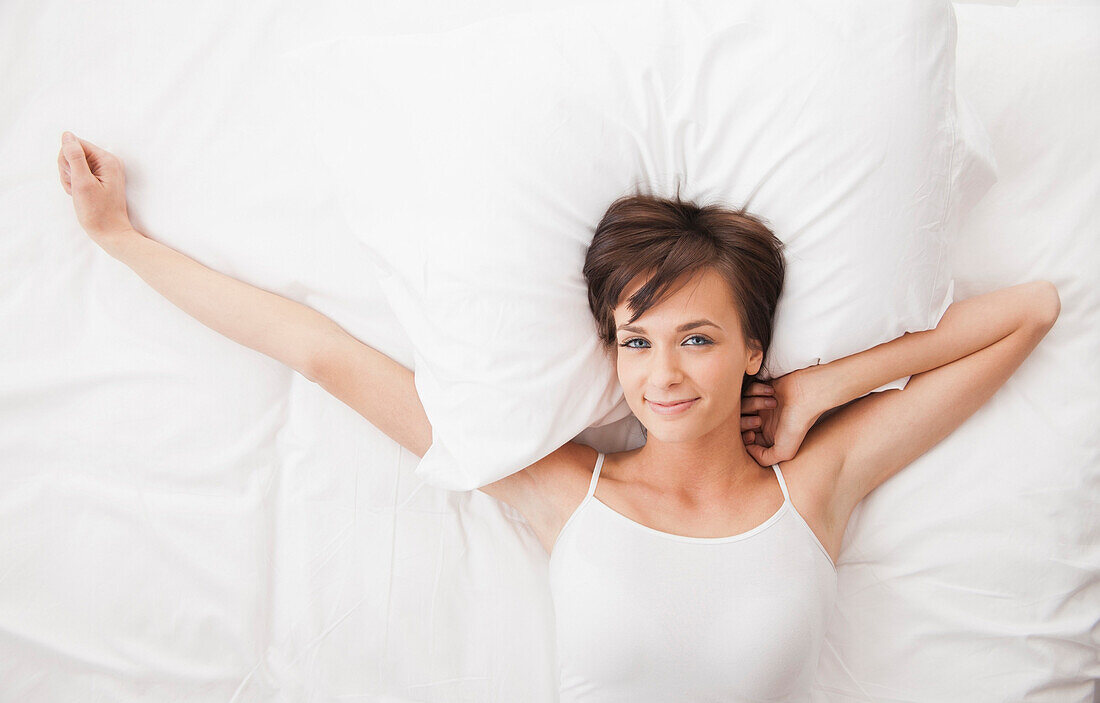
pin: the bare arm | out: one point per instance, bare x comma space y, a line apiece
285, 330
956, 367
809, 398
368, 381
375, 386
967, 326
278, 327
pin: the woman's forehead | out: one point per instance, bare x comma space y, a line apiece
704, 295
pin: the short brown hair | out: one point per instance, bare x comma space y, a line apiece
641, 233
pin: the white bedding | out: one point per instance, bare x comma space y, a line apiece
182, 518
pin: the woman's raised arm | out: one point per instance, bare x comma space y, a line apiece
312, 344
271, 324
955, 367
278, 327
829, 402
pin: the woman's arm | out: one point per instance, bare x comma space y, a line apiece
969, 328
956, 367
966, 327
373, 384
278, 327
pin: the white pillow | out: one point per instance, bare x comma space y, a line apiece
475, 164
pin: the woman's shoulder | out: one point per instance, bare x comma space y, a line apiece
549, 490
812, 479
566, 472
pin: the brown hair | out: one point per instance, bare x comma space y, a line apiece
641, 233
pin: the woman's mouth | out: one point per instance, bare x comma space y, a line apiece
671, 409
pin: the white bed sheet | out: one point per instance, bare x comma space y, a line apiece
182, 518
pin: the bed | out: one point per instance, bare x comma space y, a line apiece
182, 518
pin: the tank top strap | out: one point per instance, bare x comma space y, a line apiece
782, 482
595, 476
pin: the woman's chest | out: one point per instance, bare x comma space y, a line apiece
745, 616
810, 491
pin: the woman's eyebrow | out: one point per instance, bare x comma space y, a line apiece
682, 328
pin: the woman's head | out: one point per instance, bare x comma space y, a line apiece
657, 263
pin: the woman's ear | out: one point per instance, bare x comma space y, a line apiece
756, 358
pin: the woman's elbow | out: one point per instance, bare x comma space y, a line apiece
1039, 307
1048, 303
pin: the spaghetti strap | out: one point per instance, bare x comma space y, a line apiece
782, 482
595, 476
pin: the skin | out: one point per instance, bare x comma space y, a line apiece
96, 179
701, 467
701, 455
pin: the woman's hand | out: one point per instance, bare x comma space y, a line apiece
774, 432
96, 180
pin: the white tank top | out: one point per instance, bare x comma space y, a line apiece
644, 615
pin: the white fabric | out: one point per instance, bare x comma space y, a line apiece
644, 616
974, 574
475, 165
183, 519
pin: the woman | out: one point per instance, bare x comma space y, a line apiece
693, 567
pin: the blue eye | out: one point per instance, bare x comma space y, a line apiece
694, 336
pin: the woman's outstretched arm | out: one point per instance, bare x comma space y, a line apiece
283, 329
278, 327
307, 341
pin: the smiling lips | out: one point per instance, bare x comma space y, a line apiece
674, 408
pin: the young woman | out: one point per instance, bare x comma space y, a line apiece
693, 567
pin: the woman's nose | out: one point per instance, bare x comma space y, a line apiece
665, 370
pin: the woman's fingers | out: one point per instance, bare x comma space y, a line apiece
74, 155
749, 422
63, 164
96, 181
63, 170
757, 402
85, 159
100, 159
757, 388
762, 455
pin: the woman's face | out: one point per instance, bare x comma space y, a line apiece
659, 360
